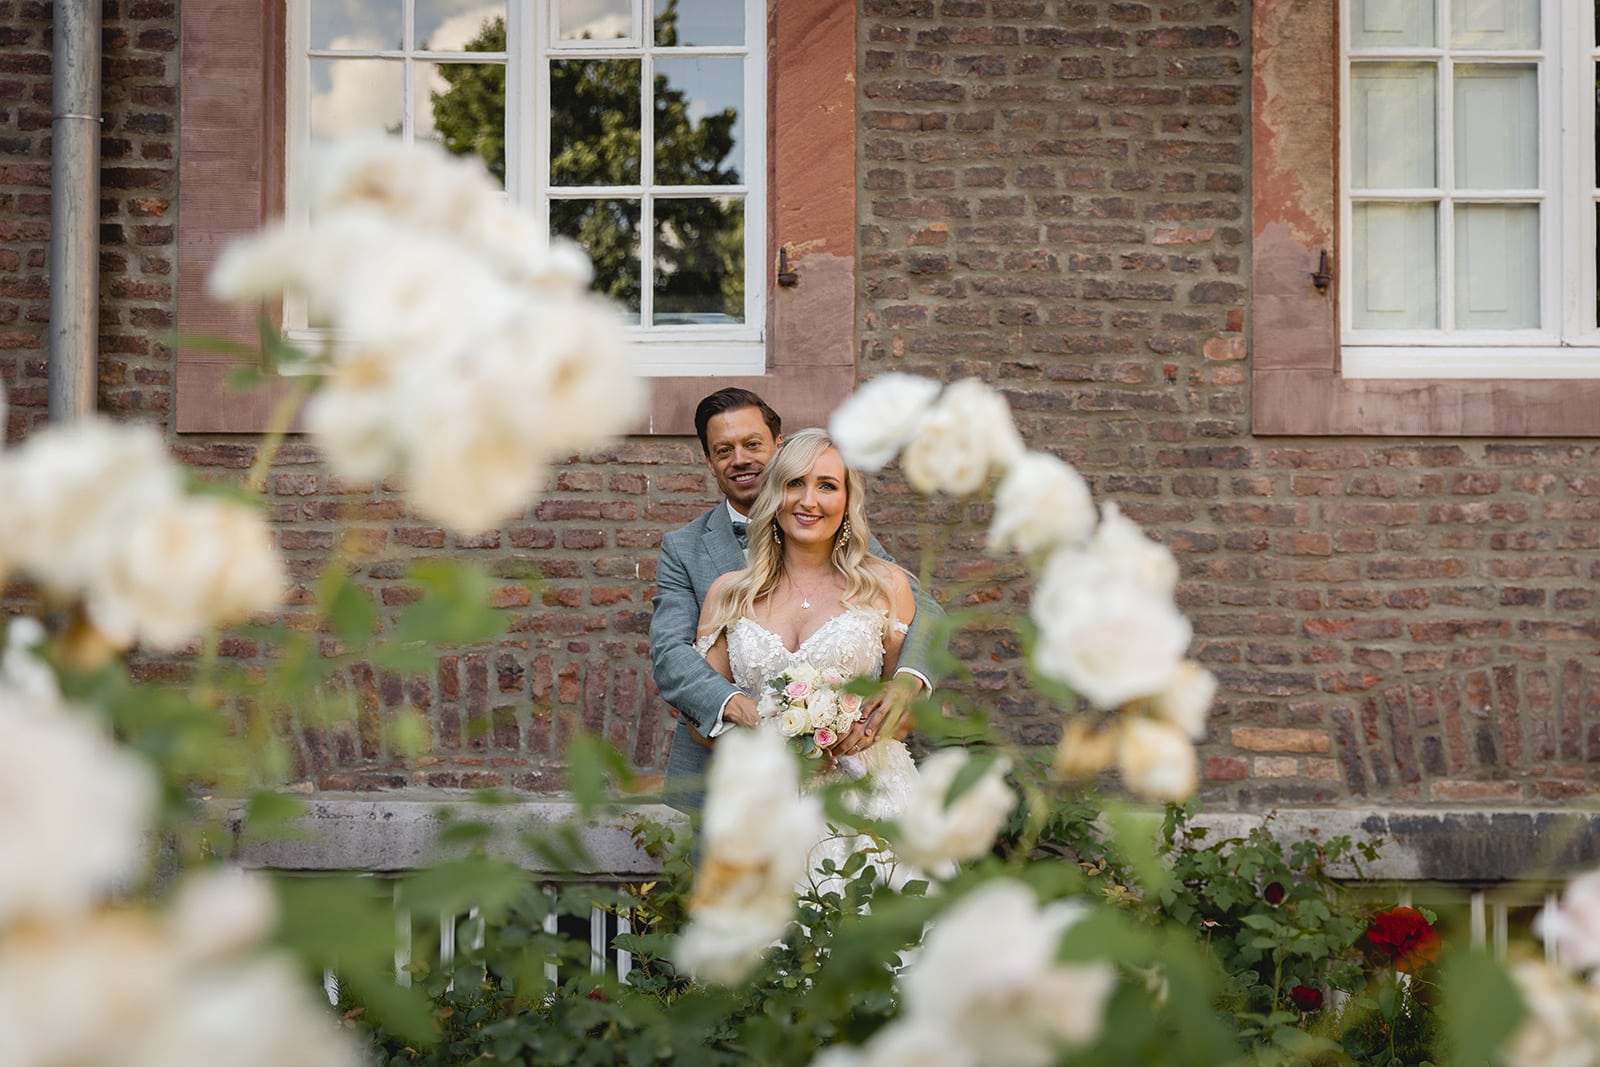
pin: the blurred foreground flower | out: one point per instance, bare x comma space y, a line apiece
987, 991
756, 838
96, 511
1573, 924
467, 354
936, 832
1561, 1024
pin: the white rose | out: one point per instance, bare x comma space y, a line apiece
822, 707
757, 833
220, 911
874, 423
1157, 760
181, 569
74, 809
24, 674
987, 976
1187, 699
1042, 504
794, 721
933, 835
1573, 924
1562, 1024
1085, 751
1108, 637
968, 433
1125, 549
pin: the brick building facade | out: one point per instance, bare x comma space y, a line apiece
1055, 196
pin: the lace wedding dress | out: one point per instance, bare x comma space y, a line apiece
851, 643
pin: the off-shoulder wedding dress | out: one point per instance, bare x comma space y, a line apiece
851, 643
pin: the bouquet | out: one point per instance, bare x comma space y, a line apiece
811, 705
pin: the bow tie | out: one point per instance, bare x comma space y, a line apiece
739, 529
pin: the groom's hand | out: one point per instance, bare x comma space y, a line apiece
892, 703
741, 711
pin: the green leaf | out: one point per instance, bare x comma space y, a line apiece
346, 605
1480, 1006
454, 608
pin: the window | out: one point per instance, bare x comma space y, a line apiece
1331, 137
636, 127
1470, 188
799, 191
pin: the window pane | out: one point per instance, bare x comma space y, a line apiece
1391, 23
599, 20
594, 121
463, 107
356, 96
699, 22
1497, 127
1495, 24
1497, 266
698, 129
459, 25
609, 231
1393, 126
699, 268
1396, 284
358, 24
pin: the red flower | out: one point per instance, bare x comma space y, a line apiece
1306, 998
1407, 938
1273, 893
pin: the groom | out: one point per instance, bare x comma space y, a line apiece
738, 432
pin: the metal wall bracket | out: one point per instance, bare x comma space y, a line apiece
1322, 277
786, 277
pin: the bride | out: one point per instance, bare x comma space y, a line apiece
813, 595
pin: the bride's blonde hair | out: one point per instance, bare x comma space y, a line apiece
864, 583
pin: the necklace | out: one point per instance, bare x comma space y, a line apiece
805, 598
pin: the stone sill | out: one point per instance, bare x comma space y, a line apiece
397, 831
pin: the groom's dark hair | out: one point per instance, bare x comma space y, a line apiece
732, 399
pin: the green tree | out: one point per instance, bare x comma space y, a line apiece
595, 130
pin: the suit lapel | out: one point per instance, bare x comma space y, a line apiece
721, 546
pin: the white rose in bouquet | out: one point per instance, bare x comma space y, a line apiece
967, 434
1107, 636
1042, 504
878, 419
1157, 759
933, 833
794, 721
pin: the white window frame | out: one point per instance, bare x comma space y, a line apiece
1567, 344
531, 39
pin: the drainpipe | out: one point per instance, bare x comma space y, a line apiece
75, 210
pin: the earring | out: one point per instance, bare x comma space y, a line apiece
777, 534
842, 538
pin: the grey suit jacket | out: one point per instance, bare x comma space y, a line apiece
692, 557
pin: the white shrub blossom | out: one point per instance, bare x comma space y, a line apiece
74, 809
1573, 924
1126, 550
1562, 1024
1107, 636
932, 834
757, 834
469, 356
880, 418
1042, 504
968, 433
1157, 759
96, 510
1187, 699
987, 979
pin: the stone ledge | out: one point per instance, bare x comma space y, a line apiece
392, 832
1432, 845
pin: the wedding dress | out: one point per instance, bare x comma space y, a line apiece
851, 643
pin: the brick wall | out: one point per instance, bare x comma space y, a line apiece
1053, 197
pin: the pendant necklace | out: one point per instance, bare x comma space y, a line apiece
805, 598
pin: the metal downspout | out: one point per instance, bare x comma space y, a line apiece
75, 210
